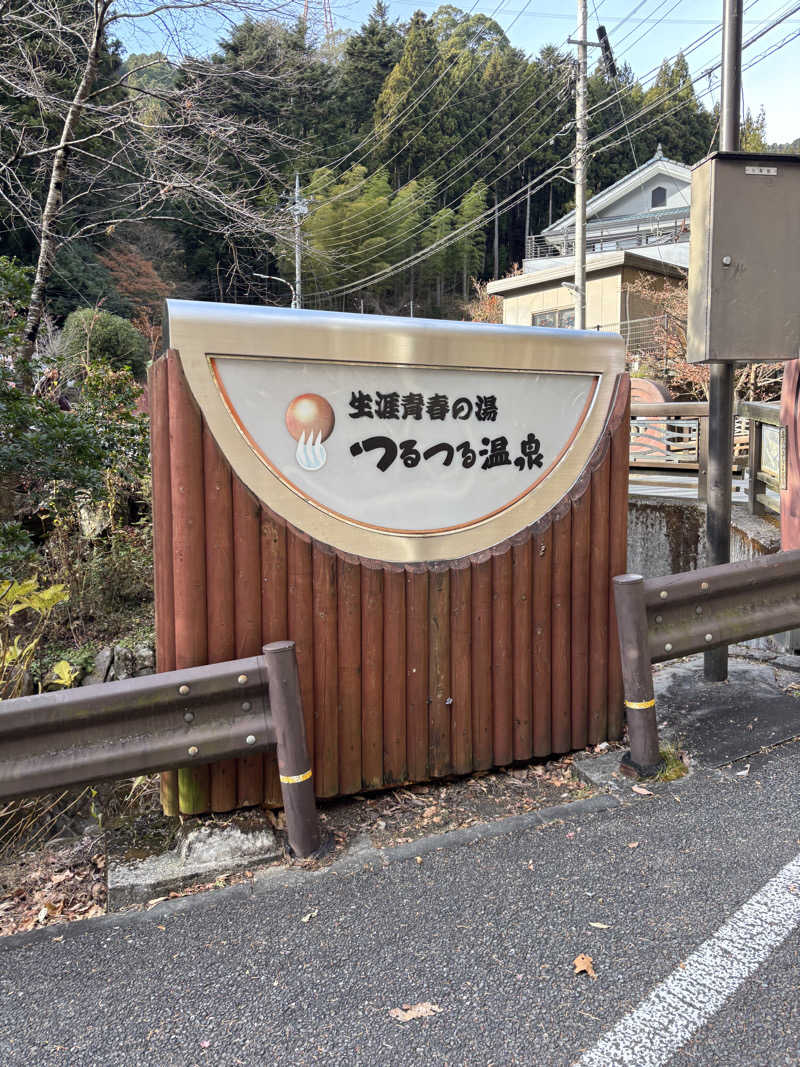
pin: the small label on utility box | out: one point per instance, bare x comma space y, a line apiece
761, 170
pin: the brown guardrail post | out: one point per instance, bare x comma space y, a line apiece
640, 707
294, 765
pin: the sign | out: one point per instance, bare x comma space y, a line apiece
397, 439
431, 511
405, 449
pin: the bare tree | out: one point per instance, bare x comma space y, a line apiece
95, 149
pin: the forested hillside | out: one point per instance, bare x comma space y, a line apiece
405, 137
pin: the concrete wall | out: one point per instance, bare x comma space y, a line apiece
666, 536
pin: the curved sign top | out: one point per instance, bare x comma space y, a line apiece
402, 440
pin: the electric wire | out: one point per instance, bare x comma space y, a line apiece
510, 201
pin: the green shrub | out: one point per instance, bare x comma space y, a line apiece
92, 335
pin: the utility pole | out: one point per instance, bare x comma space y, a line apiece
527, 216
720, 386
580, 172
496, 237
298, 209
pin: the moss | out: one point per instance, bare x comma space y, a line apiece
672, 764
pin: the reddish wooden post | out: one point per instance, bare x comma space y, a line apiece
162, 546
219, 583
790, 418
188, 558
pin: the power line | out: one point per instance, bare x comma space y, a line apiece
514, 198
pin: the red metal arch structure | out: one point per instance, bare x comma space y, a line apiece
420, 655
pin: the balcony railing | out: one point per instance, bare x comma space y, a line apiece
607, 240
672, 438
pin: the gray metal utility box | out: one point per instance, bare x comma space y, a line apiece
744, 261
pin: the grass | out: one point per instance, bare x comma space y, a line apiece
672, 766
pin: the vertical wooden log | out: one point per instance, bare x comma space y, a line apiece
247, 627
394, 676
502, 682
482, 664
461, 658
188, 557
219, 585
439, 670
522, 664
300, 618
598, 599
349, 620
542, 650
162, 547
417, 647
274, 622
560, 629
581, 509
326, 672
372, 675
618, 544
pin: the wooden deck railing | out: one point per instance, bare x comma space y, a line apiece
673, 436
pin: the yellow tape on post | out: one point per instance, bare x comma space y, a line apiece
637, 704
295, 779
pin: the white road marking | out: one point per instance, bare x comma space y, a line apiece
684, 1002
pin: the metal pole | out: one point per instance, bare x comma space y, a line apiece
637, 677
294, 765
298, 277
580, 173
720, 386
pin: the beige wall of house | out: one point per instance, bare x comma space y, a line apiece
611, 296
603, 300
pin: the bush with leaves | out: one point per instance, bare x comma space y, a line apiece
24, 612
93, 335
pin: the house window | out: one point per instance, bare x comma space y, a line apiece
563, 319
658, 197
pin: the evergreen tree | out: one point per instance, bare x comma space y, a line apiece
408, 100
369, 57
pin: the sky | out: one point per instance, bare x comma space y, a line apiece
642, 33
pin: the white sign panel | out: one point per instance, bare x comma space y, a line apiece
401, 448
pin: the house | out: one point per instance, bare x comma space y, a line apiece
638, 227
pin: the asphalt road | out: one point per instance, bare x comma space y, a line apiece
487, 931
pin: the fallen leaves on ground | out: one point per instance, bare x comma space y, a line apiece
310, 915
640, 789
423, 1010
53, 886
633, 844
583, 964
600, 926
407, 813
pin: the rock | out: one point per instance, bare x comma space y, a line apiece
93, 520
144, 660
124, 663
102, 665
201, 854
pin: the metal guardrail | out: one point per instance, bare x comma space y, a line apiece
161, 721
663, 618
